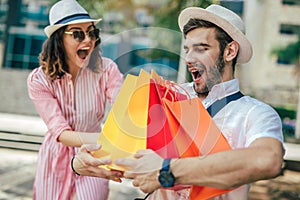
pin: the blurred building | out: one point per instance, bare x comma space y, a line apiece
21, 38
23, 34
269, 24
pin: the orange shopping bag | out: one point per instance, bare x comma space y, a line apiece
197, 135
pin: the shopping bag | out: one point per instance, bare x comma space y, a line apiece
185, 143
197, 135
159, 133
124, 131
137, 119
150, 113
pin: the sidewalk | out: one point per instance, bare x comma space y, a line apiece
17, 168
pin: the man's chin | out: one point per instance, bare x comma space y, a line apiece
200, 90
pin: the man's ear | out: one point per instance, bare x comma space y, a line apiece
231, 51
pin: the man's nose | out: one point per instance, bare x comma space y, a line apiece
190, 58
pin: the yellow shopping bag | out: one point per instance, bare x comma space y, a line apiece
125, 129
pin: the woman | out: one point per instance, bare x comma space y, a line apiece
69, 91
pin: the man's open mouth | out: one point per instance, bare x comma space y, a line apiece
196, 74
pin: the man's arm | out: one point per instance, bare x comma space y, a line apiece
261, 160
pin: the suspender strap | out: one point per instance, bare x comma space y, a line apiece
218, 105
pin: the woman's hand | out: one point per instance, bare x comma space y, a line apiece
85, 164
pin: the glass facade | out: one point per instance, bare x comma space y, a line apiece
22, 34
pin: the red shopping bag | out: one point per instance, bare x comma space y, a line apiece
159, 129
159, 133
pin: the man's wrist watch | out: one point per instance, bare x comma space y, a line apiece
166, 177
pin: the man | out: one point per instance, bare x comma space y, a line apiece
214, 43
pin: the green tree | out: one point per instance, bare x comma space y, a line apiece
166, 17
165, 13
291, 53
164, 31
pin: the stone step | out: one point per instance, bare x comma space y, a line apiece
20, 141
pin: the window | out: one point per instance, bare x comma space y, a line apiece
291, 2
289, 29
290, 53
283, 61
234, 5
3, 13
23, 49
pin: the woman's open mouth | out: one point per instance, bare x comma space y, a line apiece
82, 53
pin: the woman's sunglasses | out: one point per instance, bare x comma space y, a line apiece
79, 36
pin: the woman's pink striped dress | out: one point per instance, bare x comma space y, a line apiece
64, 106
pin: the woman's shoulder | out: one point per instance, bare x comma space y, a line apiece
37, 73
110, 66
38, 77
108, 61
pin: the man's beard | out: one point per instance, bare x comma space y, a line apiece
214, 77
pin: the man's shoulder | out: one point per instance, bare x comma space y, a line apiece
255, 104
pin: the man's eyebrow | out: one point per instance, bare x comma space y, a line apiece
197, 45
201, 44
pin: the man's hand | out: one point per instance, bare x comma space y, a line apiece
85, 164
144, 169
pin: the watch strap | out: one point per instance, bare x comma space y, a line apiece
166, 177
166, 164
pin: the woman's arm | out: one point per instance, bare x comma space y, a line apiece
76, 139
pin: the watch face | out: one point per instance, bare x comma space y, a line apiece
166, 179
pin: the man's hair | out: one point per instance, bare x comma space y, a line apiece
53, 55
221, 36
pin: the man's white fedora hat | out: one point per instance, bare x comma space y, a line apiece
227, 20
67, 12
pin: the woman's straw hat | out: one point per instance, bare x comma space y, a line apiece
67, 12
